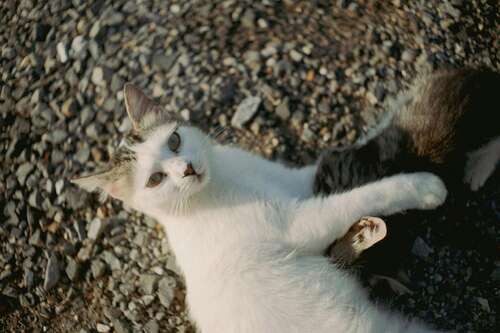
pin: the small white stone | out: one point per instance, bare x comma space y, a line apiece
61, 52
175, 9
102, 328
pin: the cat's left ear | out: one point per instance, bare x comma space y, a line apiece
138, 104
106, 182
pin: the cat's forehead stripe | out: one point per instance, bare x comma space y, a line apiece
156, 139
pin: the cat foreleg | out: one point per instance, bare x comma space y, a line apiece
317, 222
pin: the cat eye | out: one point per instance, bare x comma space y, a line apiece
155, 179
174, 141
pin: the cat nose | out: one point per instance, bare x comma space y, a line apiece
189, 170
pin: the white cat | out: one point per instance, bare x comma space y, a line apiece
247, 233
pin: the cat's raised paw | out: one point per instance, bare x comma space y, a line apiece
431, 191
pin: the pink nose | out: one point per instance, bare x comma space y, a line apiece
189, 170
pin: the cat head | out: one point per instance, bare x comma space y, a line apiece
161, 163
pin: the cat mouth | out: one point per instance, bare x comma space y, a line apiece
198, 176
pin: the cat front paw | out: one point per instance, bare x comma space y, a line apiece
431, 191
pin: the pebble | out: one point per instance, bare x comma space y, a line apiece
78, 46
69, 107
283, 111
113, 262
57, 136
245, 111
97, 267
120, 326
95, 228
72, 269
102, 328
164, 62
23, 171
52, 273
166, 290
296, 55
421, 249
98, 76
61, 52
147, 283
152, 327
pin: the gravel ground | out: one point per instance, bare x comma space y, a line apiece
291, 77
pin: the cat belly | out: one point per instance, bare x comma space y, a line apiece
271, 290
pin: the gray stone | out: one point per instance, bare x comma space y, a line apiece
95, 228
121, 326
85, 252
94, 30
72, 268
23, 171
35, 199
248, 19
166, 288
283, 111
75, 198
35, 238
147, 283
408, 55
115, 18
60, 186
113, 262
83, 155
164, 62
28, 279
102, 328
100, 76
324, 106
245, 111
98, 268
8, 52
52, 273
252, 60
116, 83
152, 326
296, 55
421, 249
307, 134
62, 54
57, 136
141, 238
79, 47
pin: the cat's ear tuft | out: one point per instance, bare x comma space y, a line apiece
138, 104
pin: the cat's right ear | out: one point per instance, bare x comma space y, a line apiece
104, 182
138, 104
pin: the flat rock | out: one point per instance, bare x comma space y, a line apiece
52, 273
95, 228
166, 288
245, 111
421, 249
147, 283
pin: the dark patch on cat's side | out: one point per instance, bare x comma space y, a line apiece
446, 116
